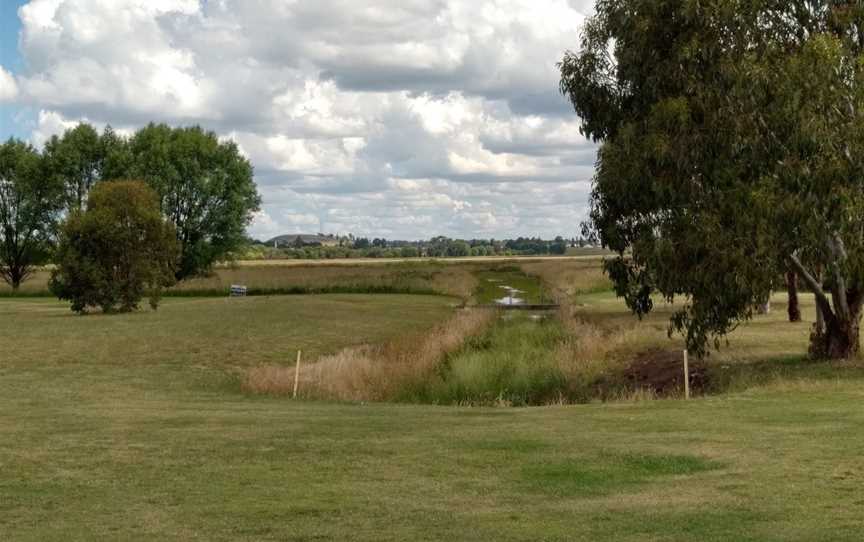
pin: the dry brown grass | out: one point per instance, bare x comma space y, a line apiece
373, 372
37, 283
594, 353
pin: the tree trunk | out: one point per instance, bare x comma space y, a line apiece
15, 279
839, 338
792, 289
836, 332
820, 320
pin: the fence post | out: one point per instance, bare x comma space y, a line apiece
686, 377
297, 374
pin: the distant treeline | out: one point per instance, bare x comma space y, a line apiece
335, 247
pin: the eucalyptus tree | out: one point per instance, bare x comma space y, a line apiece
29, 204
732, 148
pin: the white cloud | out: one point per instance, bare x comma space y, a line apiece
51, 123
8, 87
405, 118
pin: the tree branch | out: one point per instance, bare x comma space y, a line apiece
812, 283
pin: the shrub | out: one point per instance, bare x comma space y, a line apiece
116, 251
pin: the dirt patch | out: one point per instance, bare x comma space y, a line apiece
662, 371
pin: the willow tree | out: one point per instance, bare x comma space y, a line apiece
732, 148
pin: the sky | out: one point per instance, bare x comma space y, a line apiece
403, 119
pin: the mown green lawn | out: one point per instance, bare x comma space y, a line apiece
130, 427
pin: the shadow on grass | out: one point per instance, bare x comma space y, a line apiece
609, 473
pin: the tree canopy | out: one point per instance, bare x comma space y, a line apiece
77, 160
731, 149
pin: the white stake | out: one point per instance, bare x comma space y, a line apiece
686, 377
297, 374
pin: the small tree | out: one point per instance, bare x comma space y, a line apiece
117, 251
29, 202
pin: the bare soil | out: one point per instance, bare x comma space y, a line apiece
662, 371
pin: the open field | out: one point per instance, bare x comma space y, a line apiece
139, 427
451, 276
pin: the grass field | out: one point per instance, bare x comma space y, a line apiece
196, 464
134, 427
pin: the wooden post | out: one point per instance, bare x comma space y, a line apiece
686, 377
297, 374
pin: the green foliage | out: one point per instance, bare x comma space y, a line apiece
731, 145
77, 159
116, 251
205, 188
29, 203
409, 252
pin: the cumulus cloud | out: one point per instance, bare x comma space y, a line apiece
405, 118
8, 87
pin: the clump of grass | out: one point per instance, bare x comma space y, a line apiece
373, 372
511, 364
